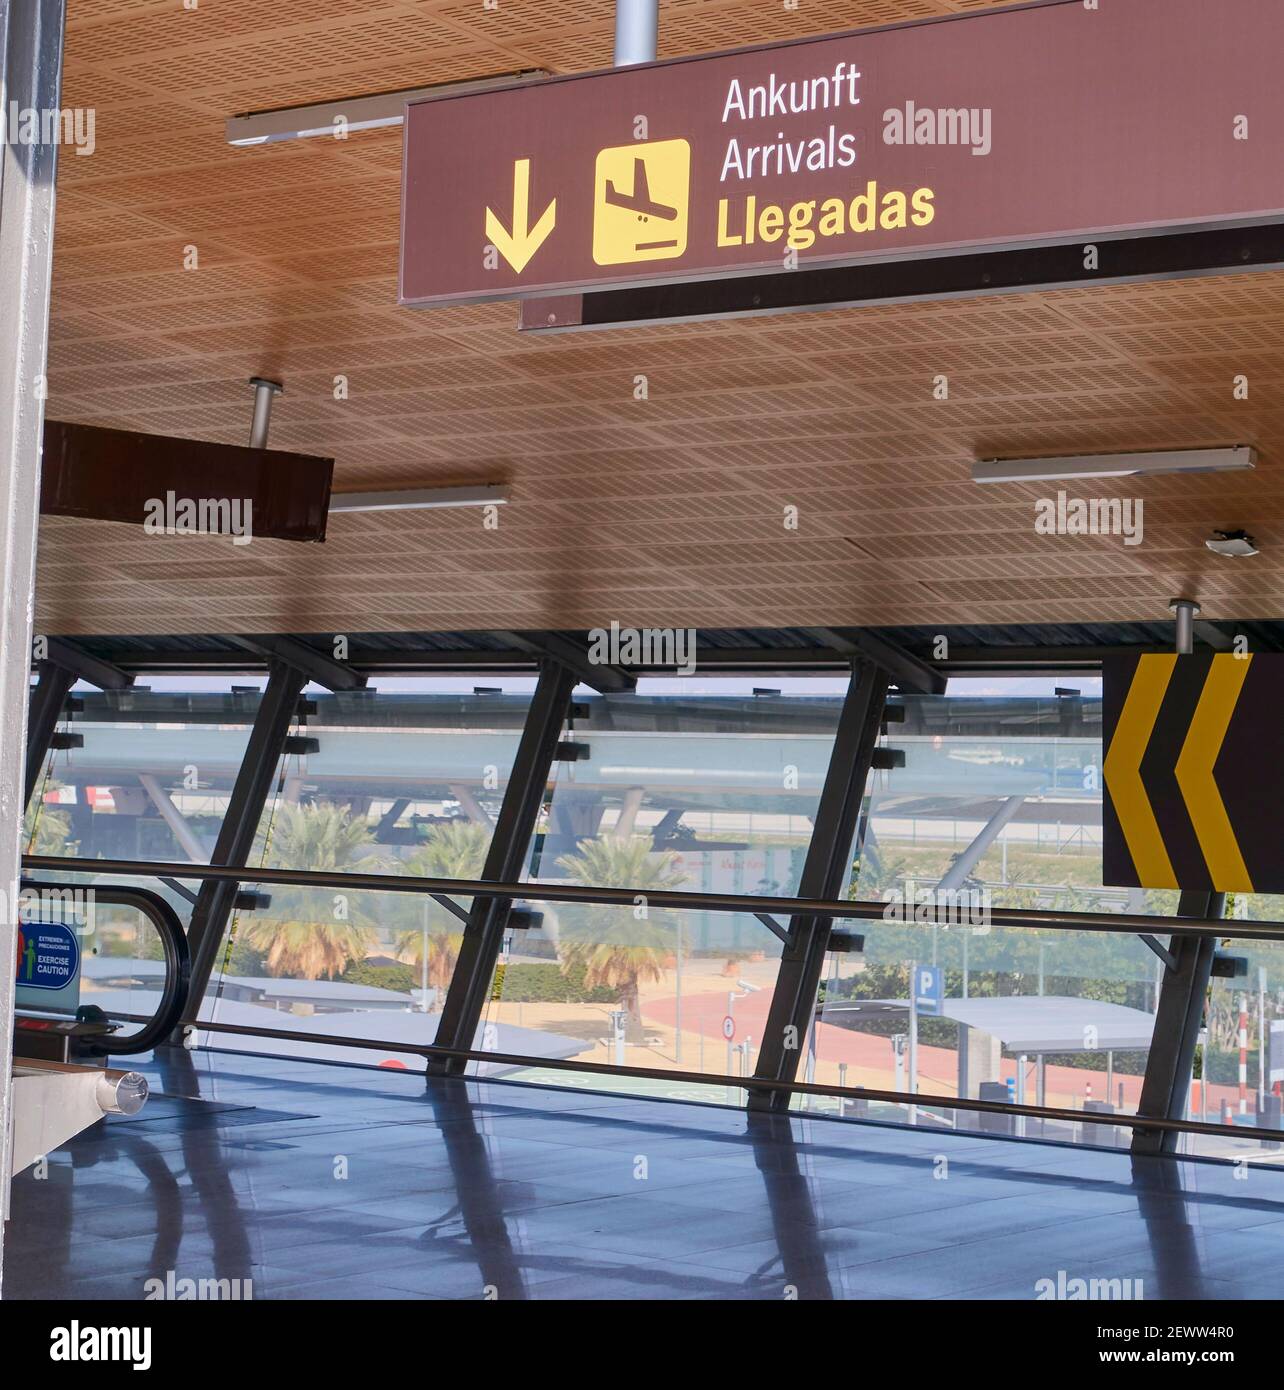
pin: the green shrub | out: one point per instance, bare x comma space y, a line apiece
245, 960
546, 984
397, 977
1221, 1068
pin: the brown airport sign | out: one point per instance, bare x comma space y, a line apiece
1026, 126
178, 486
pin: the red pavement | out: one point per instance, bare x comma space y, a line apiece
937, 1066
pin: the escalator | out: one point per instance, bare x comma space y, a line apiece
61, 1085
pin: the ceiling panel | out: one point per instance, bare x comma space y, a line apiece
664, 510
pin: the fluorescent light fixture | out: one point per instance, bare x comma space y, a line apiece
353, 113
1112, 465
419, 499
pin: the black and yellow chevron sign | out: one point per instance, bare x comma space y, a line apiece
1194, 754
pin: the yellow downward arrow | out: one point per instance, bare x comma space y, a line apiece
1204, 803
519, 245
1122, 767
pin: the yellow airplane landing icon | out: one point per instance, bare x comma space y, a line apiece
640, 202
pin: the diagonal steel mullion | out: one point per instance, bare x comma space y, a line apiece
518, 813
825, 874
47, 702
276, 714
1171, 1060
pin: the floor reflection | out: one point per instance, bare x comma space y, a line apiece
1170, 1208
310, 1181
793, 1213
480, 1205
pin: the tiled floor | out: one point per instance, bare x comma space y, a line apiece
314, 1181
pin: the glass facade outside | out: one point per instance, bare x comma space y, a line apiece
1238, 1072
712, 792
403, 781
1000, 803
150, 781
1062, 1019
152, 778
999, 798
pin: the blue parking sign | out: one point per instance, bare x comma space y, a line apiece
929, 988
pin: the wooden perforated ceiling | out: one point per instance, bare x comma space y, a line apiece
657, 512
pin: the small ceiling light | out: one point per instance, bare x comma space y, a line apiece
419, 499
1079, 466
1236, 543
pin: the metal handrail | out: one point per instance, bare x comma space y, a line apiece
178, 965
742, 1083
1117, 923
748, 1083
1123, 924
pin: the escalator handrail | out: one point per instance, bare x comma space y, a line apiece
178, 964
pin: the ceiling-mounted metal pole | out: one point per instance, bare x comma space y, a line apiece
1185, 610
637, 31
264, 390
1180, 1011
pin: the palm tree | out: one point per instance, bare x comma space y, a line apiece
454, 850
310, 933
617, 949
45, 830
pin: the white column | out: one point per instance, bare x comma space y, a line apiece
31, 68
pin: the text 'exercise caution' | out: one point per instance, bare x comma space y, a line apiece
1016, 127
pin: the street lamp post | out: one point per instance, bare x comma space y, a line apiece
618, 1018
677, 1004
423, 963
